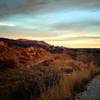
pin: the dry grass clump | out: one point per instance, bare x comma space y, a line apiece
24, 84
72, 83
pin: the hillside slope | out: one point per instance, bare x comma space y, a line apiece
35, 70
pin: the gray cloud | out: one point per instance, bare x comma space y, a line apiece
82, 37
12, 7
14, 29
77, 26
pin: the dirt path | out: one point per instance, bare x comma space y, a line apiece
92, 90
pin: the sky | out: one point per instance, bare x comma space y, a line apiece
69, 23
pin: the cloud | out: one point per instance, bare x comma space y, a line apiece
7, 25
12, 28
13, 7
77, 26
78, 42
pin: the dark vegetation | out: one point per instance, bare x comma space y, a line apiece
35, 70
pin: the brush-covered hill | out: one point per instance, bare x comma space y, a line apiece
36, 70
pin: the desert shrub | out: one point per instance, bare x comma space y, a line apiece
85, 57
8, 63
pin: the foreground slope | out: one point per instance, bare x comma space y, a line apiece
35, 70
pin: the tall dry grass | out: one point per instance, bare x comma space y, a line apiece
71, 84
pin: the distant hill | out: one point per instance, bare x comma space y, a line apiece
42, 48
33, 43
24, 42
